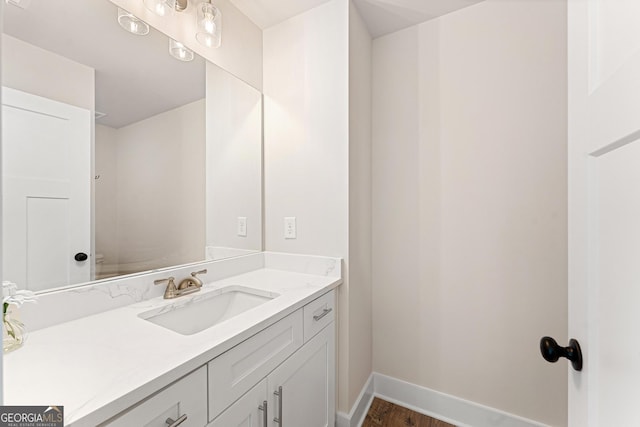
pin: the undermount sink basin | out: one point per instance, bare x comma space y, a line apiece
203, 311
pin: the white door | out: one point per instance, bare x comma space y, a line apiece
604, 210
46, 149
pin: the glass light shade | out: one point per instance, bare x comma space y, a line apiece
132, 24
160, 7
180, 51
209, 25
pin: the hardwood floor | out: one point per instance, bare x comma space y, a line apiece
386, 414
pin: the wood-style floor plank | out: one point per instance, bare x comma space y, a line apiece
386, 414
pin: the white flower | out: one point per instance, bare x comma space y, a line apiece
11, 294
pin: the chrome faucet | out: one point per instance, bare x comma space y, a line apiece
186, 286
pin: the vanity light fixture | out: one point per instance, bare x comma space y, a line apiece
209, 24
164, 7
159, 7
180, 51
208, 18
132, 24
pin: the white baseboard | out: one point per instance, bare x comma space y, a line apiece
460, 412
355, 418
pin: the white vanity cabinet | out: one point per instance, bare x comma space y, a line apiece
300, 391
283, 376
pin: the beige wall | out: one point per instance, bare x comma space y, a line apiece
360, 321
64, 80
310, 171
234, 161
469, 205
160, 190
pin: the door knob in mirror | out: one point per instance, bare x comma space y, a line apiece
81, 256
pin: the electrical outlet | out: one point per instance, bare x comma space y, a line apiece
290, 227
242, 226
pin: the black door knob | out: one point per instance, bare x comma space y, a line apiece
551, 352
81, 256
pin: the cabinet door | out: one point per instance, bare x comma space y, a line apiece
187, 396
234, 372
307, 379
248, 411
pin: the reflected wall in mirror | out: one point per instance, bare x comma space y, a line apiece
168, 173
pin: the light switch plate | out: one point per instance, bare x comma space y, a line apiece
290, 227
242, 226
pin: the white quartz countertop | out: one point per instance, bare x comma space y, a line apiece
100, 365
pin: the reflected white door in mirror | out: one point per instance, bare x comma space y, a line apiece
108, 153
46, 191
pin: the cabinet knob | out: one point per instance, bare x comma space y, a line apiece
175, 423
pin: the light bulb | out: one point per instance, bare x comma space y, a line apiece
209, 26
208, 21
180, 51
159, 7
131, 23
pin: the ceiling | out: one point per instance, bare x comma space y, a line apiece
381, 16
136, 78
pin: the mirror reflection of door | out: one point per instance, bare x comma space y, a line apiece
174, 157
46, 190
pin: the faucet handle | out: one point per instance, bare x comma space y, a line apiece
196, 280
161, 281
195, 273
171, 291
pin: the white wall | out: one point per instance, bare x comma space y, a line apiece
360, 317
106, 194
306, 151
241, 50
469, 205
65, 80
234, 161
161, 190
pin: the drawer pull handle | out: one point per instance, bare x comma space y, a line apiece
324, 313
175, 423
278, 393
263, 408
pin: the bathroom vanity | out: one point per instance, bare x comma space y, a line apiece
271, 362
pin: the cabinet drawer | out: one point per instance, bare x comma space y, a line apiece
187, 396
318, 314
236, 371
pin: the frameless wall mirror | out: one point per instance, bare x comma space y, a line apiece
120, 155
